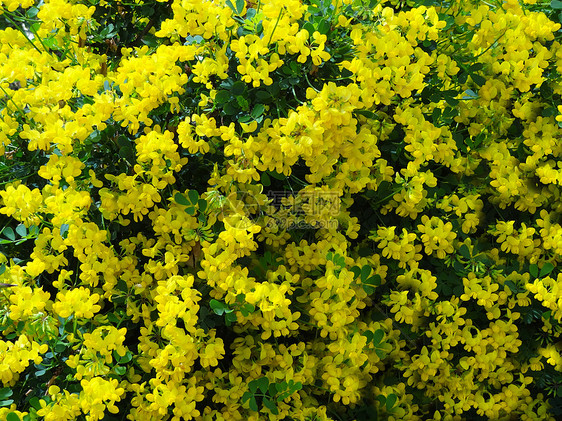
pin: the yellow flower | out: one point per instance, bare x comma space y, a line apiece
27, 302
79, 302
437, 236
99, 394
16, 356
401, 248
61, 168
22, 204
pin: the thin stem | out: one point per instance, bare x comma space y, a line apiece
13, 102
310, 84
295, 95
275, 27
492, 44
23, 32
34, 32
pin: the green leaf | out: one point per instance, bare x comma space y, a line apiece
450, 20
470, 94
247, 309
453, 102
127, 153
253, 386
230, 109
250, 13
240, 6
277, 176
31, 13
377, 336
263, 95
476, 67
464, 251
253, 404
269, 404
293, 387
218, 307
556, 4
120, 370
534, 271
9, 233
190, 210
324, 27
365, 272
126, 358
181, 199
242, 102
546, 269
113, 318
272, 389
35, 402
263, 384
549, 111
479, 80
309, 27
202, 205
287, 70
257, 111
21, 230
435, 115
231, 6
2, 268
265, 180
5, 393
339, 261
365, 113
60, 347
12, 416
283, 396
373, 280
281, 386
368, 289
222, 97
356, 271
150, 40
238, 88
390, 401
193, 196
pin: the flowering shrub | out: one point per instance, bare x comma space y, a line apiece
241, 210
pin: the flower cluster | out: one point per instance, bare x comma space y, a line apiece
305, 210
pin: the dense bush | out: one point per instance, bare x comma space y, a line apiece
241, 210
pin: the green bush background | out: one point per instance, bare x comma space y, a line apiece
250, 210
